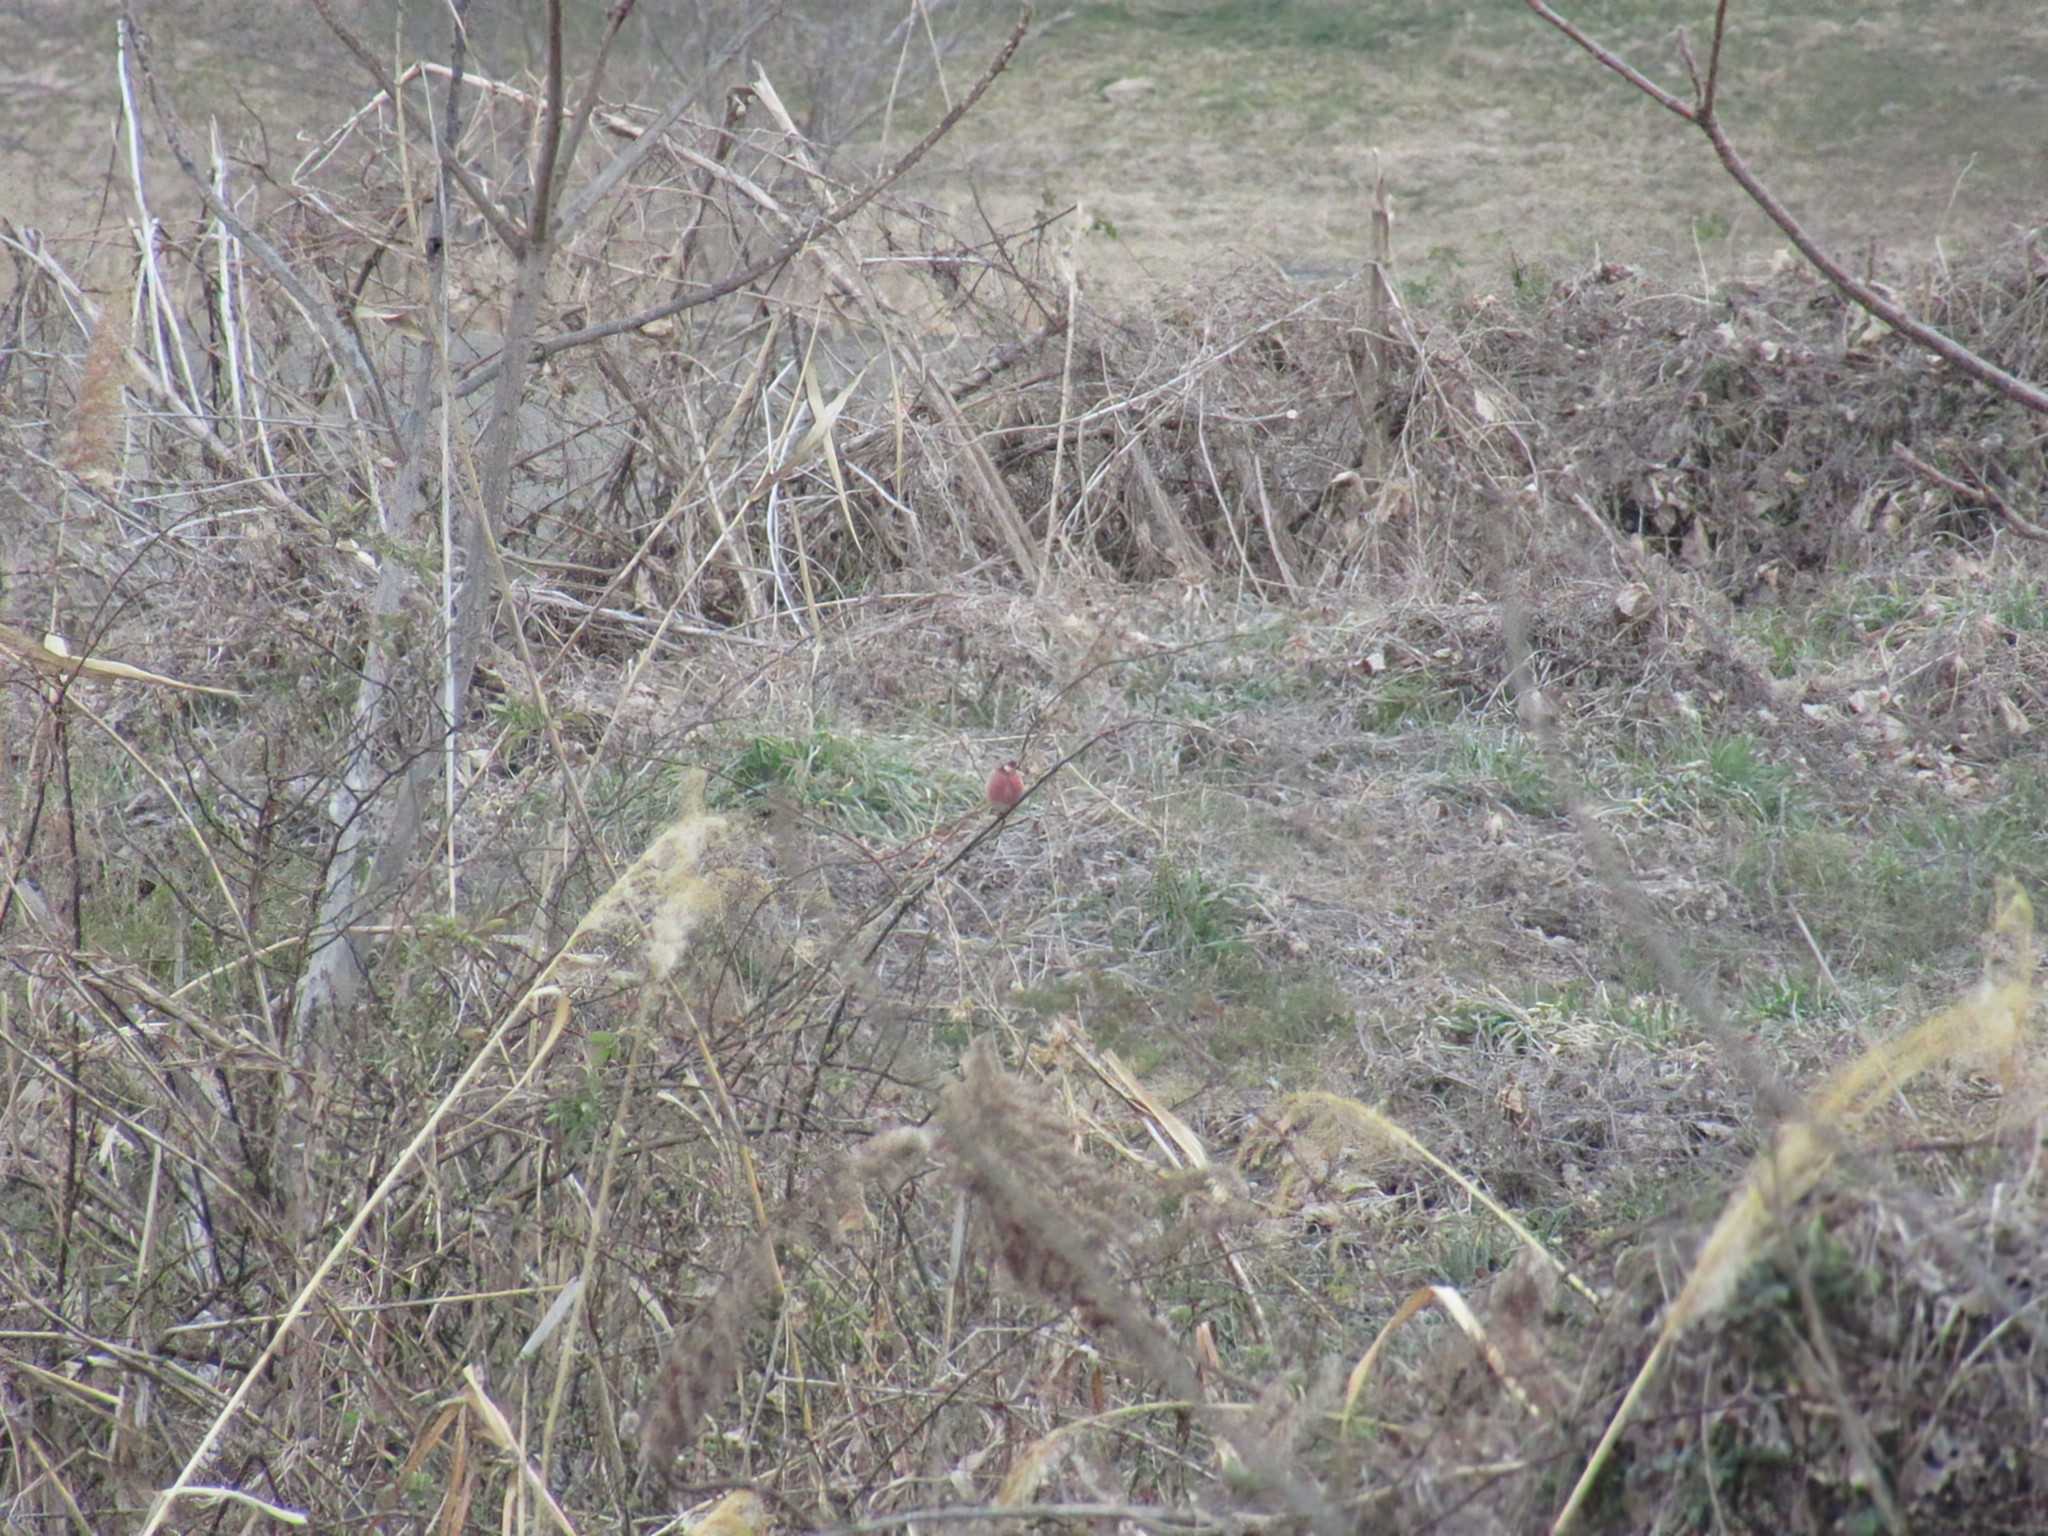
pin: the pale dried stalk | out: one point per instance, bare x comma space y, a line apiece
163, 315
1071, 274
1368, 352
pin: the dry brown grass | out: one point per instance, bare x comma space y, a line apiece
731, 1099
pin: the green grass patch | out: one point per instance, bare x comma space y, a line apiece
583, 1108
1502, 766
1402, 700
1911, 890
1787, 1003
1549, 1017
869, 787
1191, 918
1319, 26
1697, 776
1851, 612
2020, 603
1740, 777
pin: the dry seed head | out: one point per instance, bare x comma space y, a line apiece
91, 448
1054, 1213
704, 1359
673, 889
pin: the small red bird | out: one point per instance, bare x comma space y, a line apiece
1005, 787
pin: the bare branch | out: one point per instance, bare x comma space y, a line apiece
501, 226
1979, 492
831, 218
507, 232
1704, 117
1614, 61
1946, 347
580, 122
550, 130
621, 165
1714, 60
1692, 66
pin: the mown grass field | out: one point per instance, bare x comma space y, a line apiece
1895, 127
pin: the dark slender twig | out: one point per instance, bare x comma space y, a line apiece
507, 232
1979, 492
1692, 69
501, 226
1714, 62
579, 122
736, 101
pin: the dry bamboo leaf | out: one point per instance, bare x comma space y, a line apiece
54, 655
1042, 1457
455, 1504
824, 417
1030, 1470
1208, 1358
1322, 1115
429, 1439
1455, 1307
979, 471
551, 1319
499, 1429
1634, 602
1162, 1121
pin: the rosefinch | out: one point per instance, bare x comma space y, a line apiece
1005, 787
